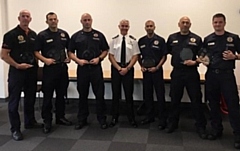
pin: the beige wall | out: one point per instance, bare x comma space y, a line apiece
107, 13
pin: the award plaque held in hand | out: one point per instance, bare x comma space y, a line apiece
203, 57
26, 57
186, 54
148, 62
88, 55
54, 54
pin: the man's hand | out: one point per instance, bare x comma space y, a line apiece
143, 69
189, 62
94, 61
204, 60
123, 71
49, 61
23, 66
152, 69
67, 60
228, 55
82, 62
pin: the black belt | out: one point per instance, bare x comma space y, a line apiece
123, 65
185, 68
217, 71
58, 64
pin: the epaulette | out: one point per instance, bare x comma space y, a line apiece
115, 37
132, 37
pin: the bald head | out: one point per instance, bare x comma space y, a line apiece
86, 20
184, 18
24, 19
184, 24
86, 15
150, 27
24, 12
150, 22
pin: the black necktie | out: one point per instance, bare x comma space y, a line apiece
123, 52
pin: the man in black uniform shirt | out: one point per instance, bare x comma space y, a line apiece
18, 52
153, 55
123, 54
184, 47
52, 43
91, 48
223, 49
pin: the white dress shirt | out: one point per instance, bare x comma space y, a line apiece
131, 47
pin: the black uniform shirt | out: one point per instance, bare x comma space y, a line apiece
216, 45
18, 42
175, 44
49, 42
154, 48
94, 41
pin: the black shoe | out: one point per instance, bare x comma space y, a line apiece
237, 141
33, 125
161, 127
104, 125
17, 136
213, 135
80, 125
147, 121
47, 128
133, 123
63, 121
113, 122
171, 128
202, 133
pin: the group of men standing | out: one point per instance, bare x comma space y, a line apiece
22, 48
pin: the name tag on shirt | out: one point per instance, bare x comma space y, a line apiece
155, 46
142, 46
230, 45
192, 43
211, 43
49, 40
23, 41
175, 41
94, 38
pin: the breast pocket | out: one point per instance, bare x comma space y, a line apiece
174, 45
81, 44
129, 46
32, 43
175, 48
116, 46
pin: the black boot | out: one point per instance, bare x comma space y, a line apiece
237, 141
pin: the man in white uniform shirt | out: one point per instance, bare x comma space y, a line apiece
123, 54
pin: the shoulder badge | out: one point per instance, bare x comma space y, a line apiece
62, 35
229, 39
156, 42
132, 37
95, 35
115, 37
192, 40
20, 38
